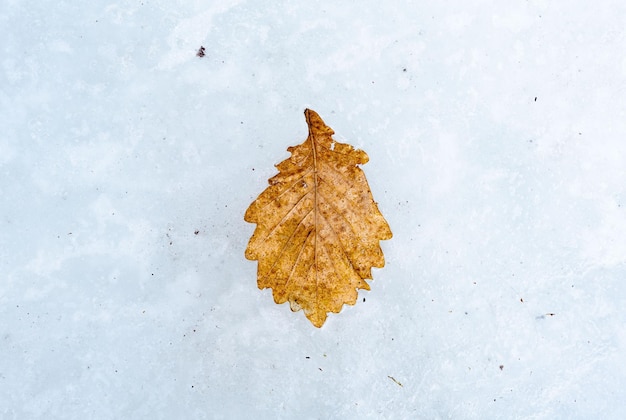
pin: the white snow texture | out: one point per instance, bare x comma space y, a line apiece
497, 140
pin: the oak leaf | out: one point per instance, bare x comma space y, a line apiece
318, 227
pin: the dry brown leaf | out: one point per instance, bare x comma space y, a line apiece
318, 227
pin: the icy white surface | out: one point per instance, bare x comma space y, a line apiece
497, 140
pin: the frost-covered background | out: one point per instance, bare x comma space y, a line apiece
497, 140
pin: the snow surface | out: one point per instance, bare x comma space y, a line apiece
497, 140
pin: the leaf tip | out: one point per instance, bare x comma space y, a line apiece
316, 124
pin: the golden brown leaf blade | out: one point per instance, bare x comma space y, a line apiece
318, 227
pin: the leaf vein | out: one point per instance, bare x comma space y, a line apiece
287, 242
286, 190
